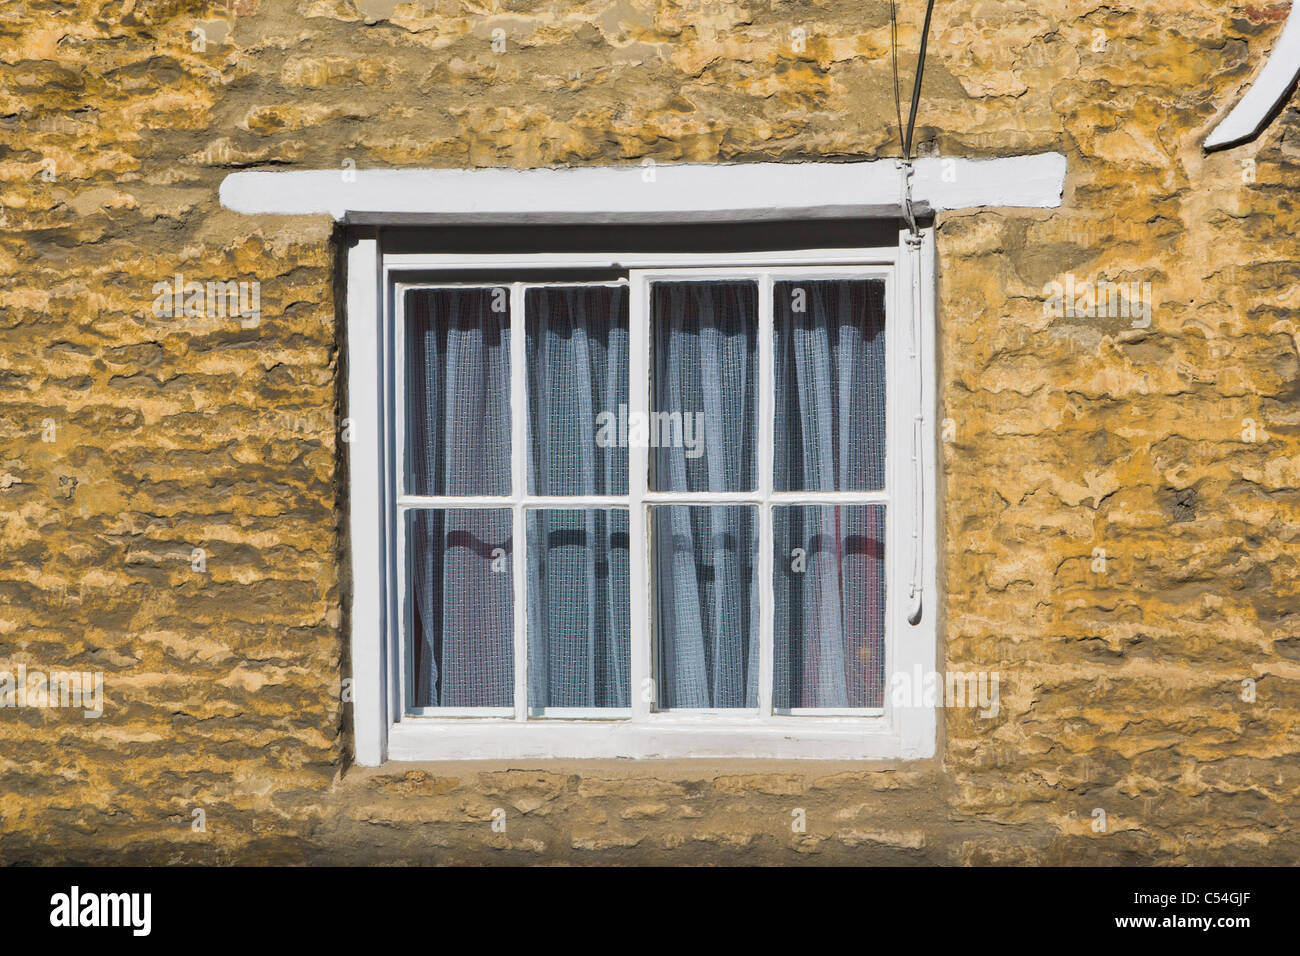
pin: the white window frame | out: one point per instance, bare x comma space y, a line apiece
384, 729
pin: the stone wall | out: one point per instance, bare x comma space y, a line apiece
128, 441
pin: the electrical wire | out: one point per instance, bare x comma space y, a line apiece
916, 86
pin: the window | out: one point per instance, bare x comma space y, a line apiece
652, 504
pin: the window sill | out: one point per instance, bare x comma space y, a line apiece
667, 737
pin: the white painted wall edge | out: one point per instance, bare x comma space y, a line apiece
366, 520
1270, 87
661, 193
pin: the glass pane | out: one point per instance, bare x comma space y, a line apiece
830, 385
829, 633
577, 390
706, 605
458, 392
703, 425
460, 607
579, 629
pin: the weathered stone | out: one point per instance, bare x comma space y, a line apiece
1173, 447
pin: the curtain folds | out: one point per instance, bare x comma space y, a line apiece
829, 628
577, 370
579, 625
460, 595
829, 578
461, 612
457, 392
829, 365
706, 603
705, 365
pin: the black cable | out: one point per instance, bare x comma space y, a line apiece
916, 88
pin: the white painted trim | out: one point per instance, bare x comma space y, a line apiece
641, 609
366, 503
915, 646
518, 488
461, 712
739, 192
398, 262
650, 497
1272, 85
766, 452
795, 738
579, 713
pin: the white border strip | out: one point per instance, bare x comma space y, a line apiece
366, 501
1272, 85
621, 194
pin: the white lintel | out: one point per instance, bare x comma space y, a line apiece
648, 193
1272, 85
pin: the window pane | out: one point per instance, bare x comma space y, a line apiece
460, 608
703, 427
577, 390
829, 633
579, 630
830, 385
458, 391
706, 605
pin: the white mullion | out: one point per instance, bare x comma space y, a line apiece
900, 355
476, 713
828, 498
810, 260
640, 672
518, 491
455, 501
575, 502
704, 497
396, 341
509, 501
766, 427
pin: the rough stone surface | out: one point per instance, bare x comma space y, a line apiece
1175, 448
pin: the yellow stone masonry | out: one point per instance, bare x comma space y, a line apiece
128, 441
